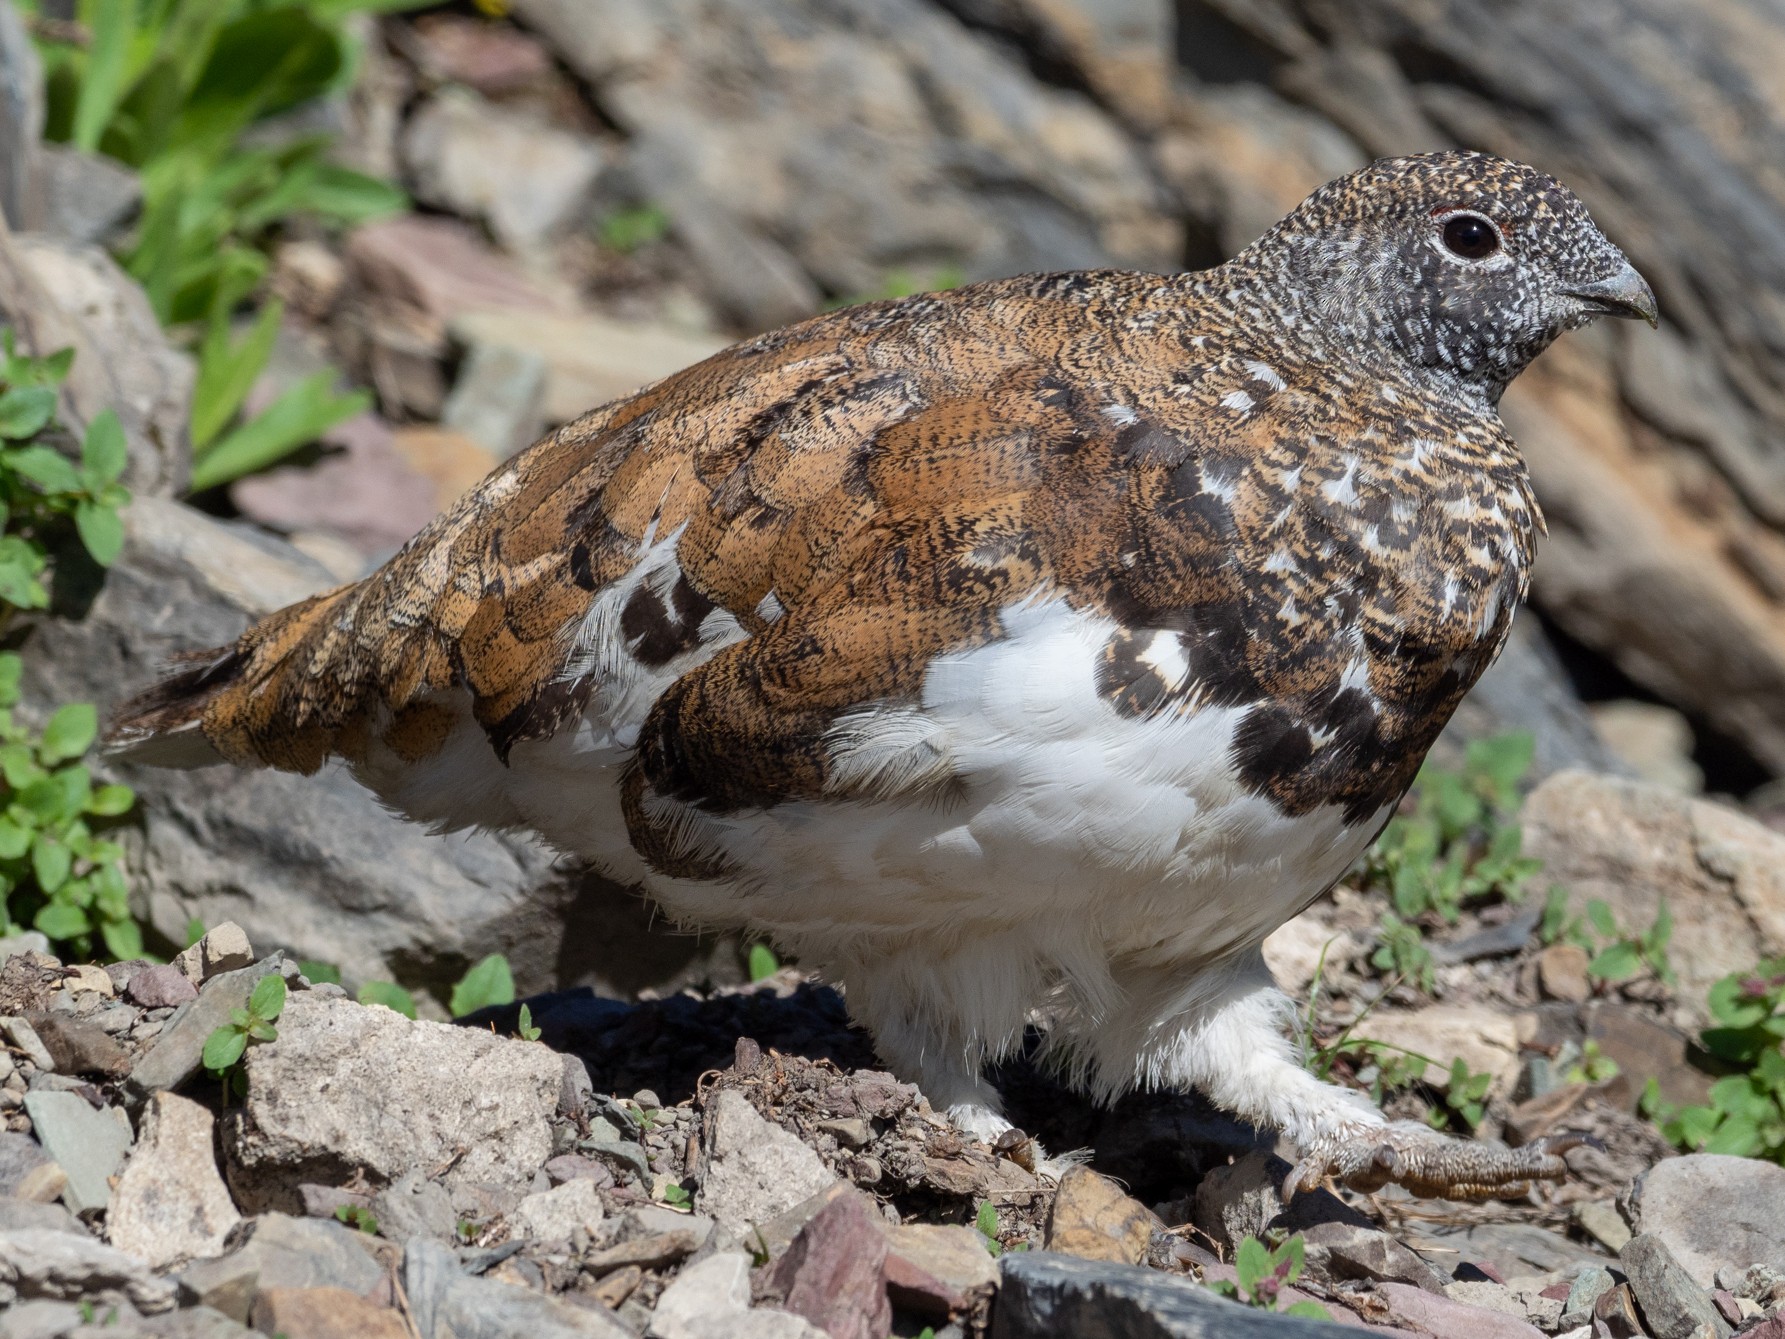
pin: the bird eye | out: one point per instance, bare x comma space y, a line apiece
1471, 236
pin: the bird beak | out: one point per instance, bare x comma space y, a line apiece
1625, 293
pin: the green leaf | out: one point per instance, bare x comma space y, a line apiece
123, 939
224, 1047
1603, 921
227, 372
260, 1031
1312, 1310
489, 982
320, 973
296, 418
104, 453
50, 470
70, 732
1620, 962
524, 1028
12, 671
762, 962
101, 530
110, 801
390, 995
24, 410
62, 920
51, 861
1251, 1262
1737, 1136
14, 840
268, 1000
987, 1220
102, 85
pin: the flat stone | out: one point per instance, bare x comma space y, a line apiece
523, 175
26, 1171
1044, 1296
22, 1037
489, 57
88, 1145
324, 1313
1244, 1199
26, 941
1602, 1222
498, 400
1588, 1287
552, 1215
223, 948
711, 1300
938, 1271
1712, 1211
178, 1052
852, 1132
445, 1301
1341, 1252
1484, 1039
80, 1046
832, 1273
349, 1089
414, 1206
62, 1265
589, 359
282, 1252
1562, 973
752, 1170
652, 1250
1437, 1314
30, 1216
91, 976
159, 986
1673, 1305
195, 1322
170, 1205
1093, 1219
1487, 1295
439, 267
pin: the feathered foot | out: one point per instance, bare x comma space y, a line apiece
1433, 1165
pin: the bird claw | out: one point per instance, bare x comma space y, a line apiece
1436, 1166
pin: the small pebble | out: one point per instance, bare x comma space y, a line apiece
647, 1100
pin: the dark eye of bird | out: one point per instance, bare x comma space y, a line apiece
1471, 236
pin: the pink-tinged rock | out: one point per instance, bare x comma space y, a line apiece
488, 57
833, 1273
439, 267
938, 1272
368, 493
1422, 1310
161, 986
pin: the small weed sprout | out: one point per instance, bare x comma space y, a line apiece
223, 1049
1745, 1116
1263, 1273
359, 1217
986, 1223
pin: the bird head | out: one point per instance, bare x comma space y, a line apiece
1464, 265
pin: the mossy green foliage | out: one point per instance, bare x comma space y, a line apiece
1745, 1116
58, 873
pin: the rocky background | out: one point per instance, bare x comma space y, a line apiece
605, 191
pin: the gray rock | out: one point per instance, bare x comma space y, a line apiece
414, 1207
160, 986
88, 1145
1348, 1251
194, 1322
1672, 1305
282, 1252
57, 294
170, 1205
552, 1215
24, 1039
80, 197
498, 400
178, 1051
527, 178
1044, 1295
1589, 1285
1712, 1211
349, 1088
61, 1265
18, 1215
448, 1304
711, 1300
40, 1319
222, 948
1514, 1248
752, 1170
26, 941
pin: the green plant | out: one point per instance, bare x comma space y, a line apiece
1457, 841
1262, 1273
1618, 955
903, 284
182, 90
986, 1222
57, 874
524, 1028
1466, 1093
1746, 1113
320, 973
224, 1047
390, 995
761, 962
1401, 949
357, 1216
488, 982
677, 1197
636, 226
1593, 1066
